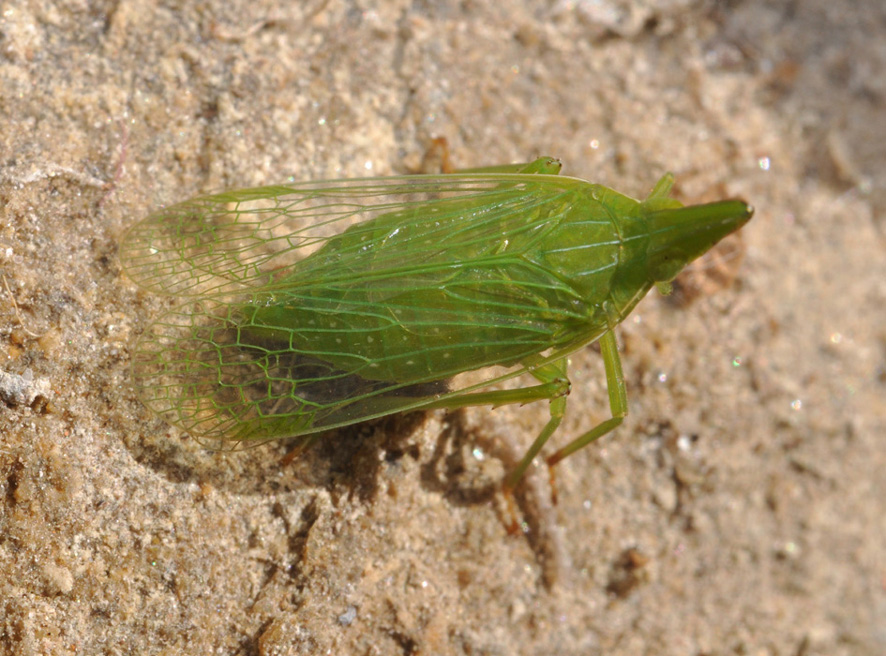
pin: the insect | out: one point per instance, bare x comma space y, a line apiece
310, 306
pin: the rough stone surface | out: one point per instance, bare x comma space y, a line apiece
739, 510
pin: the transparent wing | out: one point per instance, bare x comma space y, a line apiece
193, 368
313, 306
229, 242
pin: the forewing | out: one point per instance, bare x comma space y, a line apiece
229, 252
234, 241
194, 368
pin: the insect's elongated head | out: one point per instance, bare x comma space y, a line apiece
678, 235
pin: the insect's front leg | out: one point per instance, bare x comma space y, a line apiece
618, 405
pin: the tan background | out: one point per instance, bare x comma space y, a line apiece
740, 510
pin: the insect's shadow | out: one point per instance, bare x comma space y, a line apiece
356, 463
356, 457
465, 478
349, 461
451, 470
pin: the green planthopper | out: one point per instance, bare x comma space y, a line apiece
310, 306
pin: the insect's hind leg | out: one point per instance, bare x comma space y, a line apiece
554, 388
618, 405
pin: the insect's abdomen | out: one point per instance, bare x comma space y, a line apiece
451, 293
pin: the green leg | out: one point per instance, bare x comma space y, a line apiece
618, 405
663, 187
543, 165
553, 373
554, 388
618, 401
550, 389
